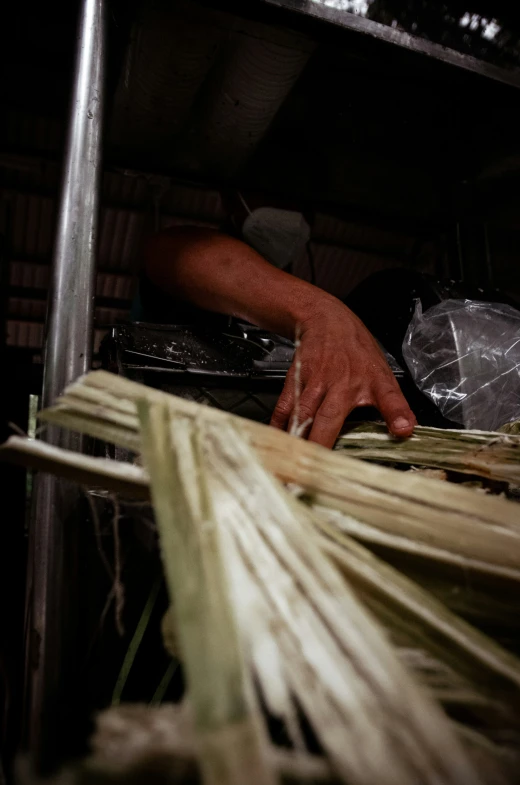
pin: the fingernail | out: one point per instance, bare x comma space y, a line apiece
401, 423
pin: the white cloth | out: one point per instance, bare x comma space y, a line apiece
280, 236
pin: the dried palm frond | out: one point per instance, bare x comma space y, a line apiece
124, 478
510, 427
291, 604
462, 668
295, 610
404, 511
134, 735
380, 582
393, 585
482, 594
436, 533
491, 455
430, 530
230, 734
134, 744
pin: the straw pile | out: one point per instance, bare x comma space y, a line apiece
314, 584
494, 456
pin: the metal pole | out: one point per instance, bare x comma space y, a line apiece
52, 575
337, 15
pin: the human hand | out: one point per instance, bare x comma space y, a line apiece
341, 368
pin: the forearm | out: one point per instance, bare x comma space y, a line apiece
340, 364
221, 274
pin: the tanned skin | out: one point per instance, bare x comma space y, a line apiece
342, 366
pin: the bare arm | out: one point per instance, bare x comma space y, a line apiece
341, 364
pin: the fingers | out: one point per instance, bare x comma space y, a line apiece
308, 405
392, 404
330, 417
328, 409
285, 404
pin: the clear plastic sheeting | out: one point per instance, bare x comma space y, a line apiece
465, 356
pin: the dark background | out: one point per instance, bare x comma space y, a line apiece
398, 160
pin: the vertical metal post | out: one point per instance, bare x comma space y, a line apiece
52, 576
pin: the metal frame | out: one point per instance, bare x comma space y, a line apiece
360, 24
54, 524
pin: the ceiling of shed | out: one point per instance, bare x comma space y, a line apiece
370, 140
300, 110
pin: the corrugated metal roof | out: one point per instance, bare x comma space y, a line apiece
111, 315
127, 213
199, 91
118, 287
186, 200
21, 308
335, 230
29, 275
24, 335
32, 224
201, 86
120, 239
121, 189
27, 131
25, 173
257, 73
33, 215
29, 335
168, 59
339, 270
167, 222
26, 176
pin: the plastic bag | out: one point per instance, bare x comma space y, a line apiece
465, 356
